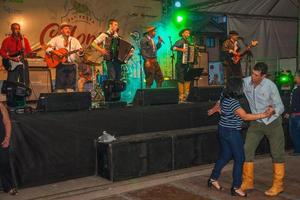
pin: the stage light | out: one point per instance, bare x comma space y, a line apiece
284, 81
177, 4
179, 18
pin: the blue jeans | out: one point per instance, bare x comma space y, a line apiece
231, 147
294, 124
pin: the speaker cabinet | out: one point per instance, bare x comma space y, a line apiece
40, 82
134, 156
159, 96
64, 101
204, 94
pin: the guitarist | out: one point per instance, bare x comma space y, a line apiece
65, 72
231, 49
13, 50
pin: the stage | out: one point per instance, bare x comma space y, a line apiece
49, 147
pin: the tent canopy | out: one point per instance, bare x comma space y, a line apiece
266, 8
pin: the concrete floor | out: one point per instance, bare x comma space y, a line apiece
187, 184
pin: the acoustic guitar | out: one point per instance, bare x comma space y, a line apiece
236, 59
53, 59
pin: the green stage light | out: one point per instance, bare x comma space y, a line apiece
179, 18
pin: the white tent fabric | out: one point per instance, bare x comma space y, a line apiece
272, 22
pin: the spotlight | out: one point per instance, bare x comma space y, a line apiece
177, 4
179, 18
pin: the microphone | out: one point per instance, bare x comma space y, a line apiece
159, 38
135, 35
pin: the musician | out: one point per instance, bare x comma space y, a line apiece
231, 49
65, 72
113, 65
149, 53
15, 47
182, 69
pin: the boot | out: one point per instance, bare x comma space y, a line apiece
181, 92
278, 175
186, 89
248, 176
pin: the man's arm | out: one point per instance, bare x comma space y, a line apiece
27, 49
276, 99
3, 50
178, 46
144, 47
97, 43
7, 124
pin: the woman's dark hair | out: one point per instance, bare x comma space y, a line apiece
234, 88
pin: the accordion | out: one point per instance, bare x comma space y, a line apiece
189, 55
118, 49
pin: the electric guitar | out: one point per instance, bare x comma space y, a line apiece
236, 58
58, 56
10, 64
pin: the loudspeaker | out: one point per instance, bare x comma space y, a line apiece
64, 101
195, 146
40, 82
134, 156
204, 94
159, 96
202, 61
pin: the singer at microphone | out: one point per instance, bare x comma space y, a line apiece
149, 52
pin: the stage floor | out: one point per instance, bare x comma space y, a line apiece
187, 184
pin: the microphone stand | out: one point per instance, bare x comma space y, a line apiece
172, 57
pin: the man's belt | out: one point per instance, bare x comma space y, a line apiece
295, 114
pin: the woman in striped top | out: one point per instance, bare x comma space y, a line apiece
229, 134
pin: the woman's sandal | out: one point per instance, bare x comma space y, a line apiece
214, 183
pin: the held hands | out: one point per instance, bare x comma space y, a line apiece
268, 112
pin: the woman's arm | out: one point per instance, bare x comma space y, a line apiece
7, 125
214, 109
250, 117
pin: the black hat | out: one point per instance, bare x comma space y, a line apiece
185, 29
233, 33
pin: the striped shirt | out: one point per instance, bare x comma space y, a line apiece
228, 118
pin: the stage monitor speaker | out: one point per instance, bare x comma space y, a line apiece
40, 82
202, 61
159, 96
71, 101
204, 94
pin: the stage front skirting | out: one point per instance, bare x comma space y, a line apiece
50, 147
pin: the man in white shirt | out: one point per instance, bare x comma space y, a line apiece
109, 50
262, 93
65, 72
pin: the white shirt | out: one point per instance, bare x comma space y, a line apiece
58, 43
101, 38
263, 95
